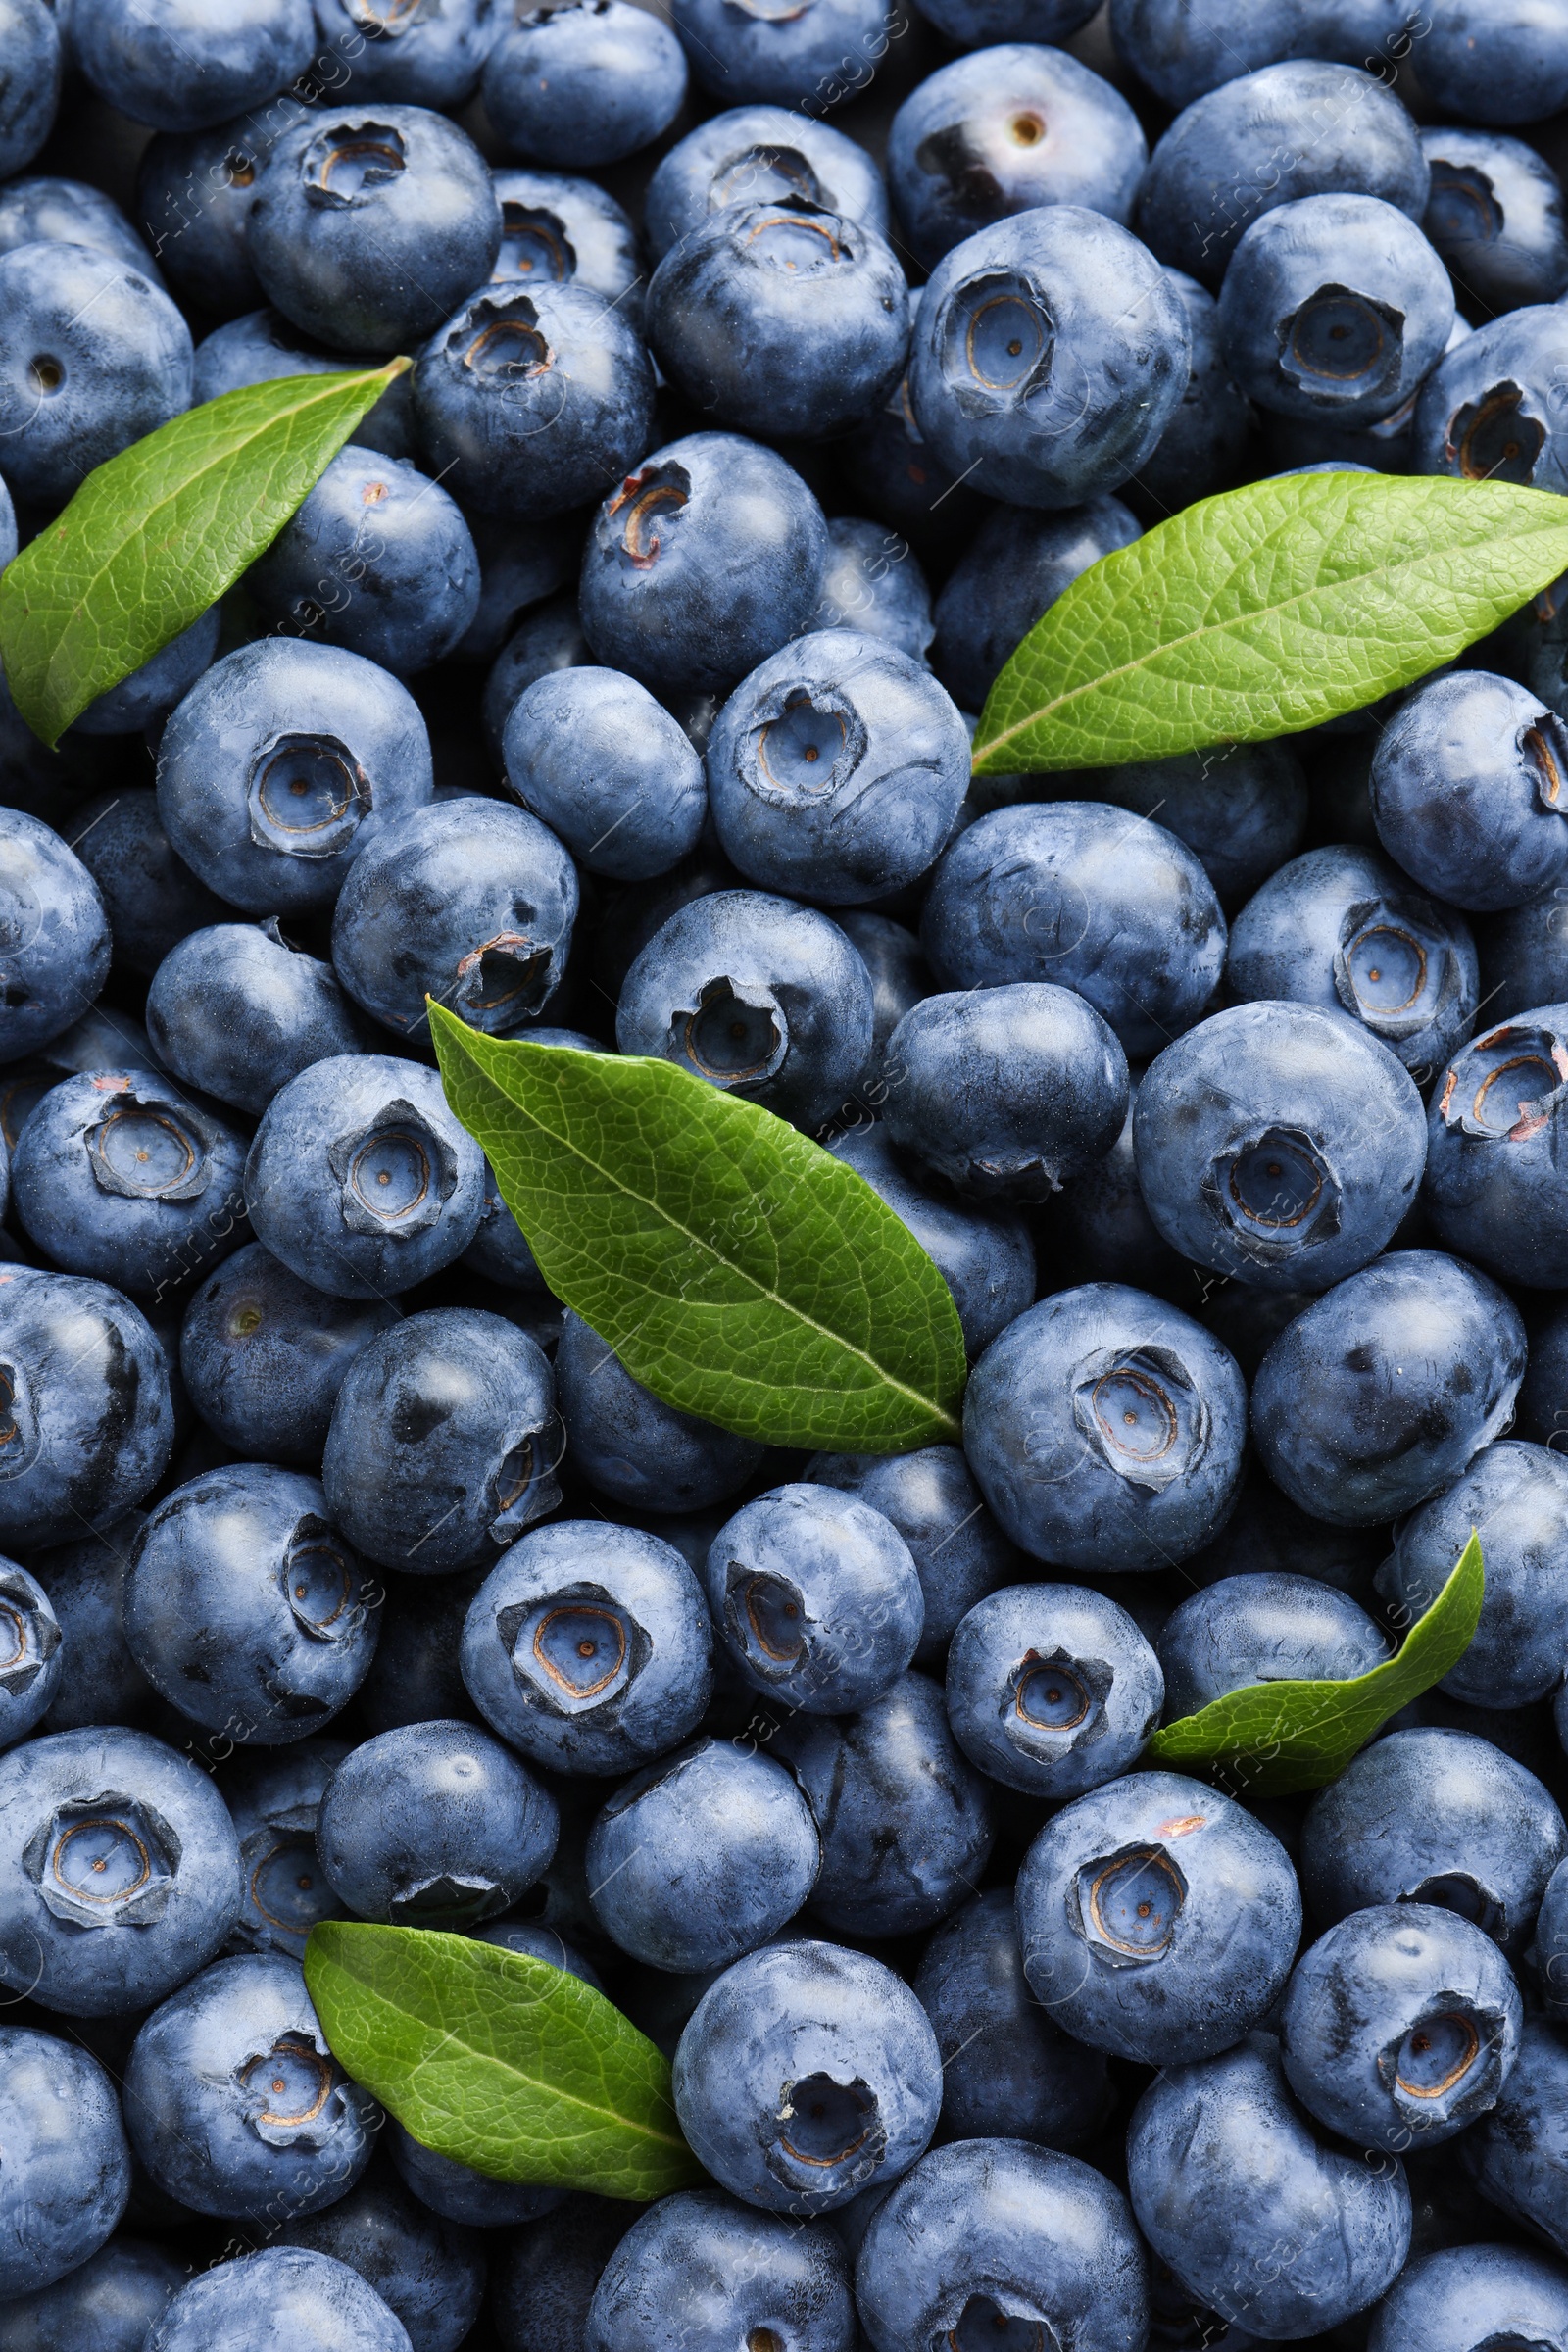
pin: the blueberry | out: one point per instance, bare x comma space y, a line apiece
1487, 411
532, 1943
263, 1355
1524, 955
816, 1596
1250, 2208
106, 2304
264, 345
87, 1422
1263, 1628
83, 1579
457, 2194
43, 208
428, 57
119, 1871
34, 68
873, 584
54, 935
361, 1180
193, 192
1181, 57
68, 2173
1049, 354
1496, 215
757, 994
589, 1648
1493, 1126
121, 1177
1204, 448
283, 2295
273, 1801
582, 83
33, 1662
1440, 1818
1051, 1688
543, 2277
1465, 788
637, 1451
1515, 2154
140, 703
369, 227
1516, 1495
1240, 811
534, 400
1013, 571
435, 1825
176, 66
705, 560
1381, 1393
996, 2243
281, 765
429, 2271
900, 978
1452, 2300
444, 1442
415, 1676
1106, 1430
1497, 64
1544, 1397
238, 1010
702, 1857
983, 1251
699, 2272
545, 640
807, 2072
960, 1552
592, 754
1004, 131
760, 155
808, 59
905, 1823
557, 229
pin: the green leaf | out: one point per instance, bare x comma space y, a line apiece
736, 1269
155, 536
1265, 611
499, 2061
1273, 1739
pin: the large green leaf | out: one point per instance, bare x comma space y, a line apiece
1273, 1739
155, 536
736, 1269
499, 2061
1265, 611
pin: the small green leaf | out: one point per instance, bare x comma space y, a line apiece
1273, 1739
1266, 611
736, 1269
499, 2061
155, 536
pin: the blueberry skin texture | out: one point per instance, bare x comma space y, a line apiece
106, 2304
177, 67
1205, 446
1515, 2154
695, 2272
1158, 1918
983, 1254
960, 1552
1496, 215
904, 1821
1298, 128
46, 209
1005, 2066
429, 2271
120, 365
641, 1453
467, 901
263, 345
546, 640
238, 1011
1263, 1628
557, 229
284, 2299
1464, 785
1381, 1393
263, 1355
379, 559
1242, 2199
1492, 1128
1180, 56
994, 2231
1013, 571
1051, 1688
783, 975
1089, 307
702, 1857
532, 402
171, 1860
1454, 2301
69, 2167
105, 1685
1242, 812
90, 1406
432, 60
591, 754
874, 583
1498, 66
32, 46
457, 2194
1343, 929
1485, 411
444, 1442
1524, 955
246, 1610
1433, 1816
117, 1177
369, 226
584, 84
577, 1581
816, 1596
320, 1154
36, 1670
784, 60
435, 1825
273, 1801
758, 155
56, 956
807, 2072
140, 703
1279, 1145
1087, 897
265, 721
1106, 1430
193, 192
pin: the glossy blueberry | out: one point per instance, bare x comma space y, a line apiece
589, 1648
1516, 1494
119, 1871
1049, 354
106, 2304
1498, 65
273, 1801
444, 1442
1158, 1918
369, 226
429, 57
1267, 1627
88, 1422
634, 1448
1454, 2301
1492, 1128
812, 58
557, 229
1466, 785
534, 400
816, 1596
904, 1821
984, 1252
1381, 1393
284, 2299
193, 192
1487, 411
1515, 2154
237, 1010
54, 944
874, 584
1435, 1817
32, 46
1253, 2211
1495, 213
1106, 1429
1051, 1688
44, 208
1085, 895
1014, 567
960, 1552
263, 1355
68, 2173
457, 2194
583, 82
435, 1825
699, 2272
83, 1579
263, 345
92, 356
361, 1180
32, 1661
178, 66
429, 2271
760, 155
757, 994
592, 754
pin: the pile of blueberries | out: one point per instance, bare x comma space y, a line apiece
614, 687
